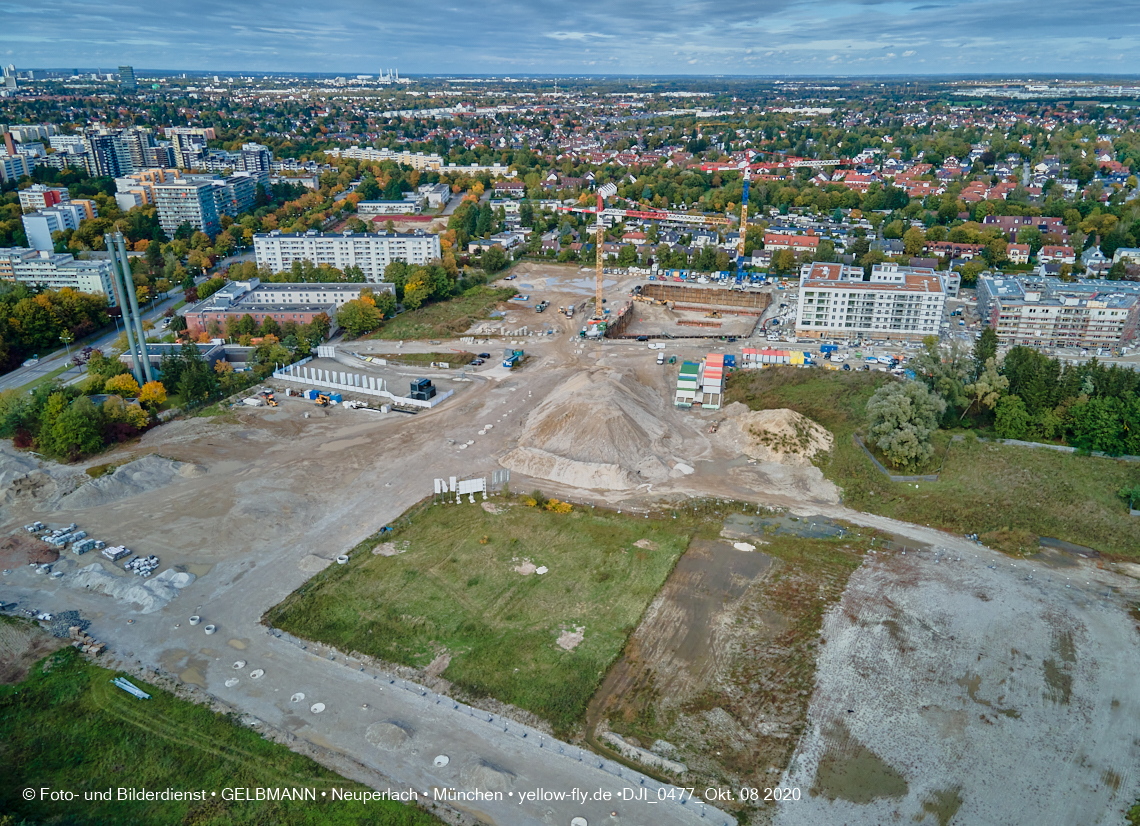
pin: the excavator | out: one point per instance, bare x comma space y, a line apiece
713, 314
269, 400
323, 400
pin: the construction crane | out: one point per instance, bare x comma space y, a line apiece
743, 227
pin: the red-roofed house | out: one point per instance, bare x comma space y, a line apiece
1057, 255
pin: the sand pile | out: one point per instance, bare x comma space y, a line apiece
597, 430
143, 475
149, 595
783, 436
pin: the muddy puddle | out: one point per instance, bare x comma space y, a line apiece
1048, 543
850, 771
674, 649
811, 527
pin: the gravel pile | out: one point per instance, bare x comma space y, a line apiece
64, 620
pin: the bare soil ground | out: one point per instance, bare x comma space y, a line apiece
22, 644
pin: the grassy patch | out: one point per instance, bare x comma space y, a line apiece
983, 488
455, 588
220, 411
424, 359
444, 319
104, 469
67, 727
44, 379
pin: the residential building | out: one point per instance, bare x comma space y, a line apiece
189, 145
1018, 253
436, 195
38, 196
137, 189
258, 160
297, 302
67, 143
1129, 255
127, 79
14, 167
402, 207
898, 303
1056, 254
510, 189
137, 141
190, 201
59, 270
808, 242
108, 156
39, 226
416, 160
1048, 312
371, 252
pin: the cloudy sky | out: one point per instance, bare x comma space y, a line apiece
739, 37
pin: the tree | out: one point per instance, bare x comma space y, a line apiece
944, 375
358, 317
987, 388
385, 304
416, 292
913, 241
178, 323
901, 418
985, 348
1012, 420
494, 259
122, 385
78, 430
152, 395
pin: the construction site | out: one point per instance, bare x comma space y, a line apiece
873, 666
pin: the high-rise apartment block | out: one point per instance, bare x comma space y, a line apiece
372, 253
187, 201
897, 303
38, 196
127, 79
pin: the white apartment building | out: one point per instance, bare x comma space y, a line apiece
14, 167
38, 196
416, 160
372, 253
39, 226
59, 270
904, 303
187, 201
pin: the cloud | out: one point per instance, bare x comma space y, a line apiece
440, 36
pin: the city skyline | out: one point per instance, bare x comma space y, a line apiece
753, 37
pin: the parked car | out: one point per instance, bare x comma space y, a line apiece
484, 355
477, 362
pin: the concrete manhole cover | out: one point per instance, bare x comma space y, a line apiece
441, 760
210, 629
257, 674
317, 708
239, 665
296, 698
578, 821
463, 447
541, 569
342, 560
232, 681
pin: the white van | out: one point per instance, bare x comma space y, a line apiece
660, 357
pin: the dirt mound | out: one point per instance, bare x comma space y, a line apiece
391, 735
781, 435
483, 774
140, 476
149, 595
597, 430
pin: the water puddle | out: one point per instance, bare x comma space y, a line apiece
850, 771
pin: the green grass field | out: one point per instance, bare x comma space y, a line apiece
67, 728
444, 319
455, 588
1007, 492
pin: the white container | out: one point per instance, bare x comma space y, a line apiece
210, 629
194, 620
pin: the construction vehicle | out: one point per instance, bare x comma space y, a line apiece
712, 314
269, 400
322, 400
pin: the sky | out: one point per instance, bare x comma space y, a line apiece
595, 37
